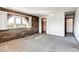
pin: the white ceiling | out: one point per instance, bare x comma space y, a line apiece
42, 11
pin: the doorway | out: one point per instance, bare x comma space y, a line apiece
43, 21
69, 26
69, 23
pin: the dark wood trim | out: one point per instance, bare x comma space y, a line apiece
3, 30
13, 11
42, 25
35, 23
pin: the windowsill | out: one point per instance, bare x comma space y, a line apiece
18, 28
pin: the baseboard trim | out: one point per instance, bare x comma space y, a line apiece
76, 40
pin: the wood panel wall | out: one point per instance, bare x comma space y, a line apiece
35, 23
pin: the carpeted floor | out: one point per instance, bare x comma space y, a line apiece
41, 43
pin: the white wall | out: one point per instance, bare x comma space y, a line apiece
40, 30
76, 25
3, 20
55, 24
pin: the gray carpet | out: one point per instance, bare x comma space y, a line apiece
41, 43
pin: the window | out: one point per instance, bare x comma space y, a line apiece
19, 22
11, 22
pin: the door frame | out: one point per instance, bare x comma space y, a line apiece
66, 24
42, 25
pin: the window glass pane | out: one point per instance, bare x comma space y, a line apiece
23, 21
11, 20
18, 20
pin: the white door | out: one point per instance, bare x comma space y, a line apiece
69, 25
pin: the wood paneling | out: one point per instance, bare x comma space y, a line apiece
13, 11
15, 34
35, 23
